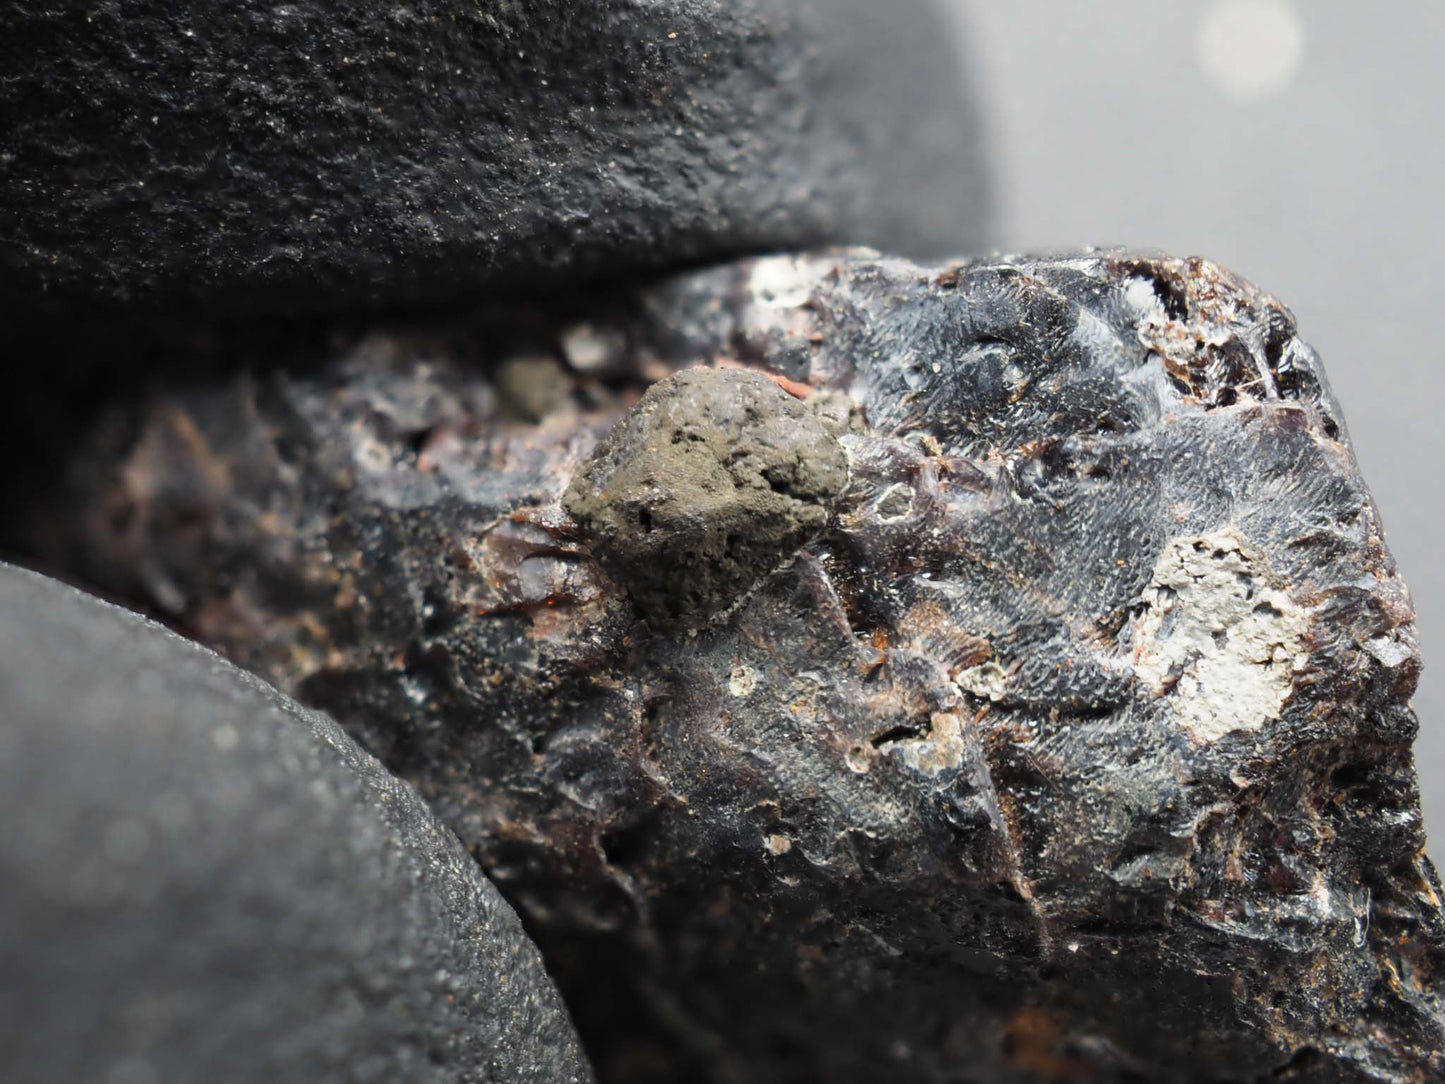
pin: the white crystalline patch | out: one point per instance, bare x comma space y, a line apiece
778, 844
784, 282
778, 291
1139, 295
987, 680
1390, 652
1219, 636
742, 681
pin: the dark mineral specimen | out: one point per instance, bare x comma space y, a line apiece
1067, 740
315, 154
202, 881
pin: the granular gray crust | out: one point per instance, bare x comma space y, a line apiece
710, 482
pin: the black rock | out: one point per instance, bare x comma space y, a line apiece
1073, 745
317, 155
203, 881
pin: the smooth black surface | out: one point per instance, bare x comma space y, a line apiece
202, 881
324, 154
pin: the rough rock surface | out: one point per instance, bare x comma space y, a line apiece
1075, 745
714, 479
204, 881
316, 154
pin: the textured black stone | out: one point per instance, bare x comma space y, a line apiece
320, 154
1074, 746
203, 881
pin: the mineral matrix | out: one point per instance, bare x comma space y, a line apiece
1025, 700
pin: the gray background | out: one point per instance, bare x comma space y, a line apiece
1298, 143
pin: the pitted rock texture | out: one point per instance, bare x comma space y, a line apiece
1074, 746
323, 154
204, 881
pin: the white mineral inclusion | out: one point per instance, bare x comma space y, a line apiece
778, 844
1219, 637
1251, 49
779, 289
742, 681
1139, 295
783, 282
987, 681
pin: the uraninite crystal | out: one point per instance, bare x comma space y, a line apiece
1069, 740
